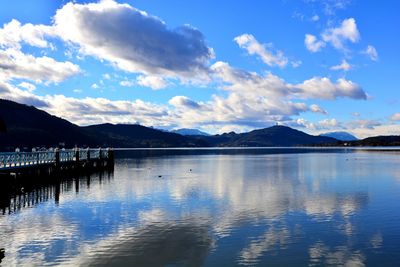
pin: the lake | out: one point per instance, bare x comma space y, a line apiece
213, 207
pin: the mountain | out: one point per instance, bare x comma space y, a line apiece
391, 140
186, 131
134, 135
342, 136
273, 136
27, 126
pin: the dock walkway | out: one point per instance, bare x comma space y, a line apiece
51, 160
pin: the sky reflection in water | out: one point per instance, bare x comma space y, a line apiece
218, 209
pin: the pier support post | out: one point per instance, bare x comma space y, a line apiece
57, 157
77, 154
77, 157
110, 159
88, 154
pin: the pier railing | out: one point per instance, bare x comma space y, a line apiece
13, 160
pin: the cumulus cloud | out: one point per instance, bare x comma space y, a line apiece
328, 123
126, 83
371, 52
345, 66
253, 47
336, 36
324, 88
14, 64
318, 126
258, 101
154, 82
347, 31
273, 87
28, 86
183, 101
317, 109
133, 40
313, 44
14, 33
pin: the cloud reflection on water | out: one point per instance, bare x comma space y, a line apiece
182, 210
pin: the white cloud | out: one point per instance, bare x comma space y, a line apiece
324, 88
154, 82
8, 91
106, 76
133, 40
183, 101
296, 63
345, 66
317, 109
95, 86
364, 124
337, 36
395, 117
253, 47
13, 34
387, 129
315, 18
90, 110
16, 65
28, 86
127, 83
371, 52
331, 6
312, 44
318, 126
347, 31
328, 123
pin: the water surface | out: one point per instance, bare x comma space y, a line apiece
276, 207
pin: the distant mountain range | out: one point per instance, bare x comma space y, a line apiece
190, 132
342, 136
26, 127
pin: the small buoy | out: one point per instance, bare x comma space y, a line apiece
190, 170
160, 176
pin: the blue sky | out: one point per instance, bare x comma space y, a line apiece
217, 66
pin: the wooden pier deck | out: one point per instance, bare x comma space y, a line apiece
47, 162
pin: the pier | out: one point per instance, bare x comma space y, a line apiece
55, 161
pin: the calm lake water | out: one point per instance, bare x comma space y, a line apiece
265, 207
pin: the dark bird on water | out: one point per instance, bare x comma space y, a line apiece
2, 253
